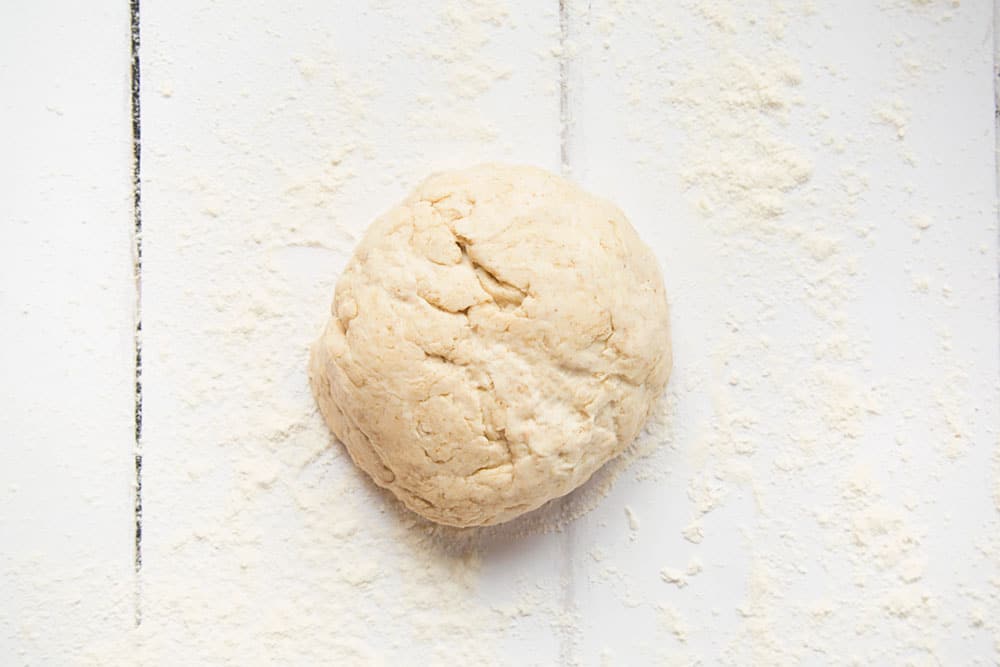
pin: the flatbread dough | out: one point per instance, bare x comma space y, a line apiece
494, 340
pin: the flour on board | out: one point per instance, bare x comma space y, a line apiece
793, 236
299, 559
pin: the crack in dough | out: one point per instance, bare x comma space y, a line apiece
494, 340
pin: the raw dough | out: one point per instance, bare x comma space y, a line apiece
495, 339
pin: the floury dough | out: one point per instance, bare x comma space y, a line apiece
494, 340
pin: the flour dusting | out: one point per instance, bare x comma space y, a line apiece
829, 390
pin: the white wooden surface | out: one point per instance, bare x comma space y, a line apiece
274, 132
769, 561
66, 347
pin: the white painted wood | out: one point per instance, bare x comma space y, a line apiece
782, 581
274, 133
66, 344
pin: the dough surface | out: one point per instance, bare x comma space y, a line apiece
494, 340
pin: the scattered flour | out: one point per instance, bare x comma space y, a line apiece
822, 437
264, 544
672, 576
633, 520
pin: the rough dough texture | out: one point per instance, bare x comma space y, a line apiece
495, 339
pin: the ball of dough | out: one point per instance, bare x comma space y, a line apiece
494, 340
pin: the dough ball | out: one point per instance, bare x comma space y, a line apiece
494, 340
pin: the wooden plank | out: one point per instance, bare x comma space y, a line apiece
274, 132
819, 184
67, 298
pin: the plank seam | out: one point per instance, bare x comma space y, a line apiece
137, 260
996, 130
996, 125
567, 579
564, 155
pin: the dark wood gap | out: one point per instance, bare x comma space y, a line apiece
137, 262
